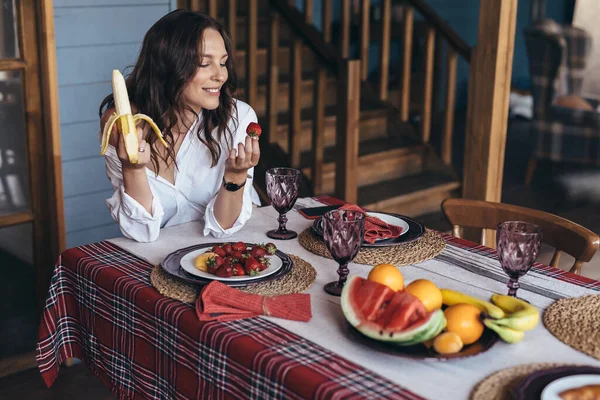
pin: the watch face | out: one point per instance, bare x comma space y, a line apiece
232, 187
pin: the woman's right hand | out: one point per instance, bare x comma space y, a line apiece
118, 142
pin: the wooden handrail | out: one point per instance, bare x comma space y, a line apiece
443, 28
311, 37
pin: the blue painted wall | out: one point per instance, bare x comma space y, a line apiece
92, 38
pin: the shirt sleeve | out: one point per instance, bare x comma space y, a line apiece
135, 221
211, 225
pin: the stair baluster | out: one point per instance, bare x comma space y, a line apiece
273, 78
251, 53
295, 109
212, 8
232, 20
428, 86
319, 95
347, 132
384, 59
364, 38
406, 64
345, 20
449, 105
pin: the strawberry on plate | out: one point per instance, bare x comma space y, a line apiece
252, 266
218, 250
238, 270
239, 246
270, 248
253, 130
258, 252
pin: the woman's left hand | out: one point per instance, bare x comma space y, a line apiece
243, 158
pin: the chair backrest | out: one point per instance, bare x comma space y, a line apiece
558, 232
558, 56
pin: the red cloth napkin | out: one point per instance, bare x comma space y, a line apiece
220, 302
374, 227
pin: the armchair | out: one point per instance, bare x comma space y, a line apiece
557, 59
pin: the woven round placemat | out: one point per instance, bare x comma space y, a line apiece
499, 385
300, 278
576, 322
428, 246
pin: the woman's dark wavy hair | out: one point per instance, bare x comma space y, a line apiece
168, 60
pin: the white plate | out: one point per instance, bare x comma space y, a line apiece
552, 391
390, 219
187, 263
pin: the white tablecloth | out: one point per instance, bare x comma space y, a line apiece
455, 268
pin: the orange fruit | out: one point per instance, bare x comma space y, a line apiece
464, 320
447, 343
388, 275
426, 291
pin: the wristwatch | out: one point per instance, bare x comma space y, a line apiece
232, 187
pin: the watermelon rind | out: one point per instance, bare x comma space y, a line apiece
426, 331
347, 309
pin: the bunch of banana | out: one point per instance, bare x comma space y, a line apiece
520, 317
452, 297
126, 121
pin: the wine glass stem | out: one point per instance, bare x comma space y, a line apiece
282, 220
513, 285
343, 273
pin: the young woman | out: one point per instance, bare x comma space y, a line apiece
184, 79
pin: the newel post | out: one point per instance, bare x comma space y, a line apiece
347, 132
489, 91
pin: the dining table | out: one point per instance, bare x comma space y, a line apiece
102, 309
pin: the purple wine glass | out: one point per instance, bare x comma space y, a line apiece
343, 233
518, 245
283, 186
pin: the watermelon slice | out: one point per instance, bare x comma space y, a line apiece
382, 314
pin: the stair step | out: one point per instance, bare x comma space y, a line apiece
283, 58
412, 195
379, 159
306, 96
373, 124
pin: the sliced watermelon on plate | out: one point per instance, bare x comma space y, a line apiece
395, 317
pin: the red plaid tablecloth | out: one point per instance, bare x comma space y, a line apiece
102, 309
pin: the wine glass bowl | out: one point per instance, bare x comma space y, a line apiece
343, 233
283, 187
518, 246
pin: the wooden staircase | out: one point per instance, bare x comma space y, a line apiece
397, 170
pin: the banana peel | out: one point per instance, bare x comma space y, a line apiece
126, 122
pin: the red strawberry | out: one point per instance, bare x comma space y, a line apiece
224, 271
218, 250
239, 246
214, 263
258, 252
252, 266
228, 248
238, 270
236, 255
271, 248
253, 130
264, 263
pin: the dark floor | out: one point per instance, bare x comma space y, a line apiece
550, 191
74, 383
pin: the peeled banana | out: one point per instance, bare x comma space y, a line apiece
521, 316
509, 335
126, 122
452, 297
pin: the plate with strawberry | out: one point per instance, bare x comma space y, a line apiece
233, 262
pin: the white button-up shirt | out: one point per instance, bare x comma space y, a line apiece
193, 195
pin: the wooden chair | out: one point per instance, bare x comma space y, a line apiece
558, 232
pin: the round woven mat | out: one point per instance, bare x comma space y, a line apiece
576, 322
499, 385
300, 278
428, 246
